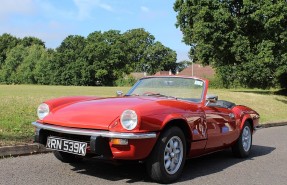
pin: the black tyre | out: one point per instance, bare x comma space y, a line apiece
67, 157
243, 145
166, 162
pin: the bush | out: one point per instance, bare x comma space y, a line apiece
128, 80
281, 75
218, 83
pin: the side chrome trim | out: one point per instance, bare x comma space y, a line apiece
90, 132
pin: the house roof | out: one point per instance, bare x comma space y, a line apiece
198, 71
159, 73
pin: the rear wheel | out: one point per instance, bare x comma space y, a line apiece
243, 145
166, 162
67, 157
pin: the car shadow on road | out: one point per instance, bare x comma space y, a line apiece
219, 161
198, 167
130, 172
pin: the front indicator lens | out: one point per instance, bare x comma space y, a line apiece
129, 119
43, 110
119, 141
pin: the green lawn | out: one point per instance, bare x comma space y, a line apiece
18, 105
272, 108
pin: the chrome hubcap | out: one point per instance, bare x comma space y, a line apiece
246, 138
173, 155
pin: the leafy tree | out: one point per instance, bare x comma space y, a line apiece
7, 42
68, 61
281, 72
103, 58
22, 65
25, 69
144, 54
105, 53
45, 68
160, 58
245, 40
137, 42
182, 65
15, 57
29, 41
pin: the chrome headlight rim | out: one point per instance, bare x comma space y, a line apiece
129, 119
43, 110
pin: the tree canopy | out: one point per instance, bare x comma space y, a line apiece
99, 59
245, 40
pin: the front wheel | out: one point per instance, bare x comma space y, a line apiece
165, 164
243, 145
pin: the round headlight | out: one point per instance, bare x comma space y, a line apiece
43, 110
129, 119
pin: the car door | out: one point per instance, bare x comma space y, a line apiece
221, 127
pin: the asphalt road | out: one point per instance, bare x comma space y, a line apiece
266, 165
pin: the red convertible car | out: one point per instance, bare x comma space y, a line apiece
161, 121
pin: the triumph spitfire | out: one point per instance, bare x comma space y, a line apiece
161, 121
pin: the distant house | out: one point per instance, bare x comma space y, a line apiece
163, 73
198, 71
138, 75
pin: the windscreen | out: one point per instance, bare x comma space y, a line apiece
181, 88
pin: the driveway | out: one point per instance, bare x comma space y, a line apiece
266, 165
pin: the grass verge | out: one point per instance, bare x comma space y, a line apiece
18, 105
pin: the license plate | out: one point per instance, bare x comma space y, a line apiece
65, 145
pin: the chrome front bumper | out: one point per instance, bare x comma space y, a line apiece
90, 132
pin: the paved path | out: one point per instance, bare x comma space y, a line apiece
266, 165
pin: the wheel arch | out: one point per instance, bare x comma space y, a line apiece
249, 120
182, 124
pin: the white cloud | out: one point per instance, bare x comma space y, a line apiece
16, 6
49, 11
52, 32
86, 6
106, 7
144, 9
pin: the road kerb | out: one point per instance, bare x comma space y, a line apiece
273, 124
9, 151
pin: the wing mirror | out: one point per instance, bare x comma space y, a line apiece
120, 93
211, 99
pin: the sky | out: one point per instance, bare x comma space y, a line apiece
53, 20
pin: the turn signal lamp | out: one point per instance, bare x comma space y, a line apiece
115, 141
